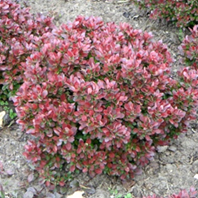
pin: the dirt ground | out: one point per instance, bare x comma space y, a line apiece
173, 168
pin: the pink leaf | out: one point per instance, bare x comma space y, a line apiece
68, 146
98, 171
72, 168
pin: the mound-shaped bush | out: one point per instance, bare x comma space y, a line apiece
99, 98
183, 13
19, 33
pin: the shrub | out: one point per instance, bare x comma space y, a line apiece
99, 98
19, 32
183, 12
189, 48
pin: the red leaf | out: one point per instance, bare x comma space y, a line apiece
84, 118
72, 168
84, 170
111, 155
47, 183
68, 146
98, 171
55, 149
148, 138
137, 149
62, 183
62, 97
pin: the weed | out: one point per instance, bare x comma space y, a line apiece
8, 109
2, 194
180, 35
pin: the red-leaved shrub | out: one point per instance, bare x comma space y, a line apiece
189, 48
183, 12
19, 32
99, 98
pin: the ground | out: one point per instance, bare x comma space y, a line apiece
174, 166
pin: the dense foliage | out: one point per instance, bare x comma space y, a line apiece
99, 98
19, 31
94, 97
189, 48
183, 12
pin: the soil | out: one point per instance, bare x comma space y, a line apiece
174, 167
